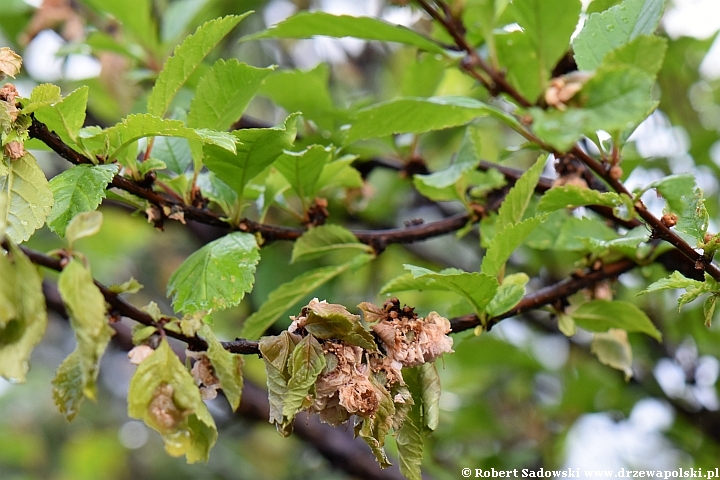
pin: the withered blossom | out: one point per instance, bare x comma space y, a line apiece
204, 375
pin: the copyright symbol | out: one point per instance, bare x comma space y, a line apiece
466, 472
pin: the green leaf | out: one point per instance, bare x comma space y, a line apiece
83, 225
675, 189
626, 245
675, 280
414, 115
227, 367
309, 24
258, 148
510, 292
302, 169
217, 276
164, 395
289, 293
465, 161
303, 91
308, 361
329, 321
135, 16
517, 200
20, 333
41, 96
339, 173
709, 309
694, 218
223, 94
409, 437
564, 232
505, 241
275, 353
174, 152
323, 239
617, 98
186, 59
572, 196
613, 349
566, 325
602, 315
86, 307
68, 385
29, 197
617, 26
408, 281
76, 190
478, 288
373, 430
430, 387
645, 53
546, 28
67, 116
134, 127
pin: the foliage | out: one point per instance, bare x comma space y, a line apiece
201, 123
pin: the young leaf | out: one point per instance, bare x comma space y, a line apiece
309, 24
325, 238
186, 59
694, 218
164, 395
289, 293
606, 31
645, 53
409, 437
465, 161
142, 125
602, 315
675, 280
275, 353
217, 276
408, 281
83, 225
478, 288
571, 196
414, 115
328, 321
174, 152
67, 116
76, 190
505, 241
510, 292
430, 388
373, 430
613, 349
42, 96
675, 189
709, 309
227, 366
223, 93
135, 16
302, 169
68, 385
308, 361
258, 148
517, 200
617, 98
86, 307
29, 197
20, 333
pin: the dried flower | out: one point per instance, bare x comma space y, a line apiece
139, 353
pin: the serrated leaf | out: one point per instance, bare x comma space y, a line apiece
409, 437
303, 91
709, 309
67, 116
565, 232
613, 349
694, 217
616, 98
544, 39
645, 53
506, 241
478, 288
275, 353
302, 169
675, 280
430, 388
414, 115
227, 367
68, 385
602, 315
10, 62
86, 307
223, 94
675, 189
258, 148
142, 125
339, 174
626, 245
216, 276
374, 429
20, 334
174, 152
186, 59
289, 293
606, 31
329, 321
510, 292
76, 190
572, 196
163, 394
29, 197
408, 281
465, 161
518, 198
83, 225
309, 24
41, 96
307, 362
323, 239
